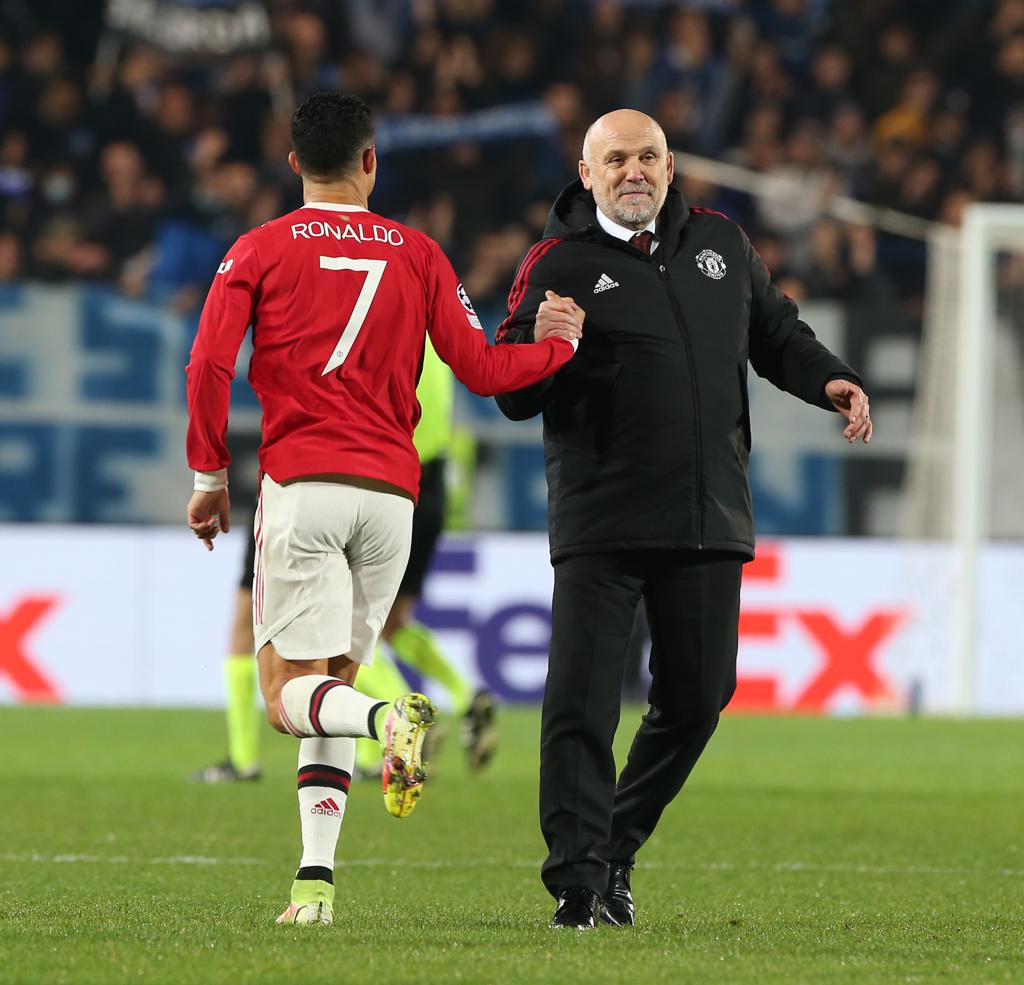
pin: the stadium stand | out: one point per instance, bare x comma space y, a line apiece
134, 163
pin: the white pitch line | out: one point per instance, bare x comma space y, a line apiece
854, 868
126, 860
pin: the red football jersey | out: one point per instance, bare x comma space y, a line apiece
339, 299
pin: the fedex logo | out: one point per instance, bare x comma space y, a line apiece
847, 650
814, 655
18, 667
514, 631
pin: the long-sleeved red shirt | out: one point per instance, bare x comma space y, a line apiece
339, 299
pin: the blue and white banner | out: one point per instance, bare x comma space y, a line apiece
192, 28
92, 407
511, 121
93, 419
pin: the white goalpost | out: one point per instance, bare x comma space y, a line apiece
988, 230
960, 496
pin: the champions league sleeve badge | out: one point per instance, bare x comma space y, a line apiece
468, 305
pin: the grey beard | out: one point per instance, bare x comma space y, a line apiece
636, 217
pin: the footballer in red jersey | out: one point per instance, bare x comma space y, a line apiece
339, 300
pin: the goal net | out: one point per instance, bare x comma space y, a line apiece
963, 497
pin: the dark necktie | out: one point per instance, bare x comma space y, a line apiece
642, 241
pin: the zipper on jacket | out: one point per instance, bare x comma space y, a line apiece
680, 322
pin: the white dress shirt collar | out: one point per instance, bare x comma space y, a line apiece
334, 207
621, 232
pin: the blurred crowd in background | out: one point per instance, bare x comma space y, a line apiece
119, 162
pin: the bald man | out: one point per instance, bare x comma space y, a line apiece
646, 441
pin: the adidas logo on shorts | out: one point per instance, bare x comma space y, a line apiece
605, 283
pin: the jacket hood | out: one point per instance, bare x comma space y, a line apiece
575, 212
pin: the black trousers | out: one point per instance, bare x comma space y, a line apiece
692, 601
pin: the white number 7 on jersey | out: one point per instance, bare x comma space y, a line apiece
374, 270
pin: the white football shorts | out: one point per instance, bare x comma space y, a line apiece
329, 560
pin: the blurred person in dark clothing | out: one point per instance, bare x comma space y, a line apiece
493, 263
847, 148
123, 215
435, 217
680, 109
246, 102
514, 74
641, 82
761, 147
306, 46
825, 272
884, 181
981, 170
693, 66
771, 84
831, 87
7, 81
598, 56
994, 67
58, 129
40, 59
894, 57
948, 131
921, 189
167, 132
11, 262
794, 24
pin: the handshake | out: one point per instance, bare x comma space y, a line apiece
558, 317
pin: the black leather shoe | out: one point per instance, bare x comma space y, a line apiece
577, 909
617, 907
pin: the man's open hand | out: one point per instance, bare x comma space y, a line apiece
852, 402
208, 514
559, 317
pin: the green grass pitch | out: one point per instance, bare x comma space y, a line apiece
803, 850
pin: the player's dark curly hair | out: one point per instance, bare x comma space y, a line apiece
330, 132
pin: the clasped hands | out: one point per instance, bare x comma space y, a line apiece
558, 317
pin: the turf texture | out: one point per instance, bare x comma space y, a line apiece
802, 850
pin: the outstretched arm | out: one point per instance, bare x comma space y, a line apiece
784, 350
485, 369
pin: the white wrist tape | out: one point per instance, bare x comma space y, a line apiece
211, 481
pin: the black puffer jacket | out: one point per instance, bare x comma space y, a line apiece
646, 430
